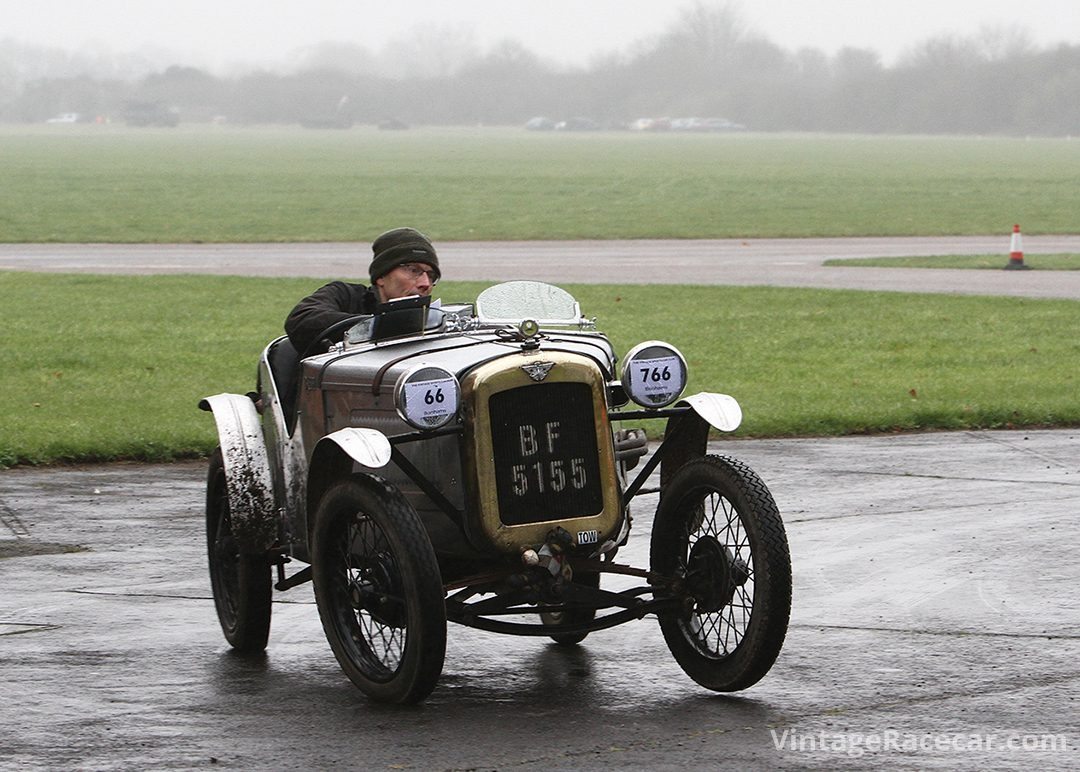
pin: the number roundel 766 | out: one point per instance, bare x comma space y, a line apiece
654, 374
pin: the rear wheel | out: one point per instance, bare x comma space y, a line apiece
718, 530
242, 584
379, 591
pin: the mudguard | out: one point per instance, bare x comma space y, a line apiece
334, 456
691, 440
719, 410
247, 471
367, 447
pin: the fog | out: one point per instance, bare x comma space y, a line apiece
224, 37
972, 67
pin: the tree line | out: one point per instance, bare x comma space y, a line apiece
707, 64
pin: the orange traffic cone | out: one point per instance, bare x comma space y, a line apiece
1016, 252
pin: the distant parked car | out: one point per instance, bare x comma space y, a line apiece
539, 123
393, 124
651, 124
687, 124
65, 118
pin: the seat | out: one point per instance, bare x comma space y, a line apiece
284, 362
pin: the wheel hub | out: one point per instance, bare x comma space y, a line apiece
376, 590
713, 574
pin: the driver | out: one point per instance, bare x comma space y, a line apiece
404, 263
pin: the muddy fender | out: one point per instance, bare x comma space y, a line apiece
247, 471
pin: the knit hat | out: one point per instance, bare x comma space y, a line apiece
399, 246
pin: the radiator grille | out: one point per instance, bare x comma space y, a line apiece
544, 441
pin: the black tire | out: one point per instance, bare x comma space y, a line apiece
379, 591
242, 584
573, 616
718, 529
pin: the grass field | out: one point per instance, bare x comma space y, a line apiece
96, 367
106, 367
117, 184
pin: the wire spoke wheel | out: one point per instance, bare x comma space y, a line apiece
241, 583
717, 529
378, 589
373, 584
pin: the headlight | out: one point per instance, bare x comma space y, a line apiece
654, 374
427, 397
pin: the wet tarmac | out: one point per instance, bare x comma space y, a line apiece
935, 625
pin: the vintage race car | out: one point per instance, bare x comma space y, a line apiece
465, 463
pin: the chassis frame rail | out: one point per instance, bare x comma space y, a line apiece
523, 593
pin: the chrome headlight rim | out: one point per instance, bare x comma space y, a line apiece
427, 397
654, 374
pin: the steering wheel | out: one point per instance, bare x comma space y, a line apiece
339, 326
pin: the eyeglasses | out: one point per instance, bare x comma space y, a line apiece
415, 272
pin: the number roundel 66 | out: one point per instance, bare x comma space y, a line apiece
654, 374
427, 397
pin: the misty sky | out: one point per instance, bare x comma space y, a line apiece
225, 33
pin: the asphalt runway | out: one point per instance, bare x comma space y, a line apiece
935, 620
776, 262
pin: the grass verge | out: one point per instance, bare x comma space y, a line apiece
111, 367
1065, 261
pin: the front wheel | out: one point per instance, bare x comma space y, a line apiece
379, 591
717, 529
241, 583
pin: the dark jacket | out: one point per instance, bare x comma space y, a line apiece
325, 306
